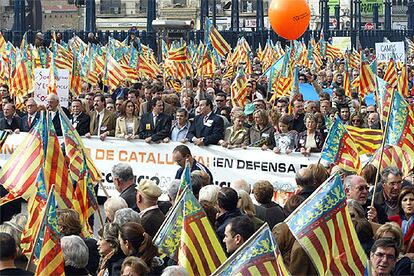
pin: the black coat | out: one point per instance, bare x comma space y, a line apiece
25, 122
130, 196
56, 121
152, 220
157, 132
16, 123
271, 213
81, 123
212, 130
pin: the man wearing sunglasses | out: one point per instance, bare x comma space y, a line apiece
356, 188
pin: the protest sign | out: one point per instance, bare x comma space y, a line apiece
342, 43
384, 51
41, 81
155, 162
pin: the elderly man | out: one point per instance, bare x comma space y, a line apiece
383, 257
237, 232
8, 254
356, 188
124, 182
52, 107
11, 122
32, 116
181, 155
373, 121
391, 181
79, 119
147, 198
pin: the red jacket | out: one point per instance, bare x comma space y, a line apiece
408, 235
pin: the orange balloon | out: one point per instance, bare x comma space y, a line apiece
289, 18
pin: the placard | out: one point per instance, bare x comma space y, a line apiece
41, 76
385, 50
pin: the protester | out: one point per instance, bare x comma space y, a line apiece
261, 130
136, 242
237, 232
124, 182
32, 116
11, 122
127, 125
285, 139
125, 215
134, 266
175, 270
180, 127
79, 119
235, 136
113, 204
241, 184
391, 180
310, 140
383, 257
75, 254
181, 155
147, 197
103, 122
8, 254
247, 207
155, 125
110, 250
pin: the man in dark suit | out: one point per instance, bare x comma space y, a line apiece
103, 121
79, 119
11, 121
208, 128
52, 107
124, 182
155, 125
32, 116
147, 197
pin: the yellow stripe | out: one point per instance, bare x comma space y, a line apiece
347, 242
193, 251
282, 265
335, 251
214, 240
306, 243
204, 250
254, 271
269, 268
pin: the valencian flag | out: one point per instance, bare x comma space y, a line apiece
394, 156
367, 140
401, 125
323, 226
259, 255
187, 237
340, 148
51, 257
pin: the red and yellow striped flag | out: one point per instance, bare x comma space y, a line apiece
394, 156
22, 79
114, 73
347, 84
2, 42
366, 80
403, 82
218, 42
206, 66
239, 89
391, 75
367, 140
75, 84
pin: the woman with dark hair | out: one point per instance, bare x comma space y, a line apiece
110, 250
134, 241
356, 120
405, 218
261, 129
310, 140
127, 125
283, 140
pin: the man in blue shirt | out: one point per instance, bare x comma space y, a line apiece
180, 127
181, 154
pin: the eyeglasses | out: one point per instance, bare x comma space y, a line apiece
220, 101
395, 183
382, 256
363, 188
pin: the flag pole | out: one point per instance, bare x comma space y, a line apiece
382, 147
52, 190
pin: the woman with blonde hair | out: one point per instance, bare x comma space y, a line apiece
246, 206
236, 136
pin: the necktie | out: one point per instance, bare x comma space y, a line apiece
29, 121
97, 124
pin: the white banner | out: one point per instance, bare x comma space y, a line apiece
384, 51
41, 77
155, 161
342, 43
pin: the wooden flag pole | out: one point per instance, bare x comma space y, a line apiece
52, 190
382, 147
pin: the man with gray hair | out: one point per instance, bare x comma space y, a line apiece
356, 188
124, 182
391, 183
241, 184
52, 107
113, 204
76, 255
125, 215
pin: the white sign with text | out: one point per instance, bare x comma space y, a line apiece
384, 51
42, 82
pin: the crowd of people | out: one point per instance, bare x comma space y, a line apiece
202, 113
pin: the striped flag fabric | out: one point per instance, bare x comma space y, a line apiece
239, 89
333, 52
3, 137
366, 140
354, 59
75, 84
51, 260
259, 255
347, 80
206, 66
200, 251
391, 75
216, 39
323, 227
403, 82
410, 46
401, 125
366, 80
185, 180
22, 79
340, 149
114, 74
179, 54
2, 42
394, 156
18, 175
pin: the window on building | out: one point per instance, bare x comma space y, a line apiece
182, 3
248, 6
143, 6
110, 6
